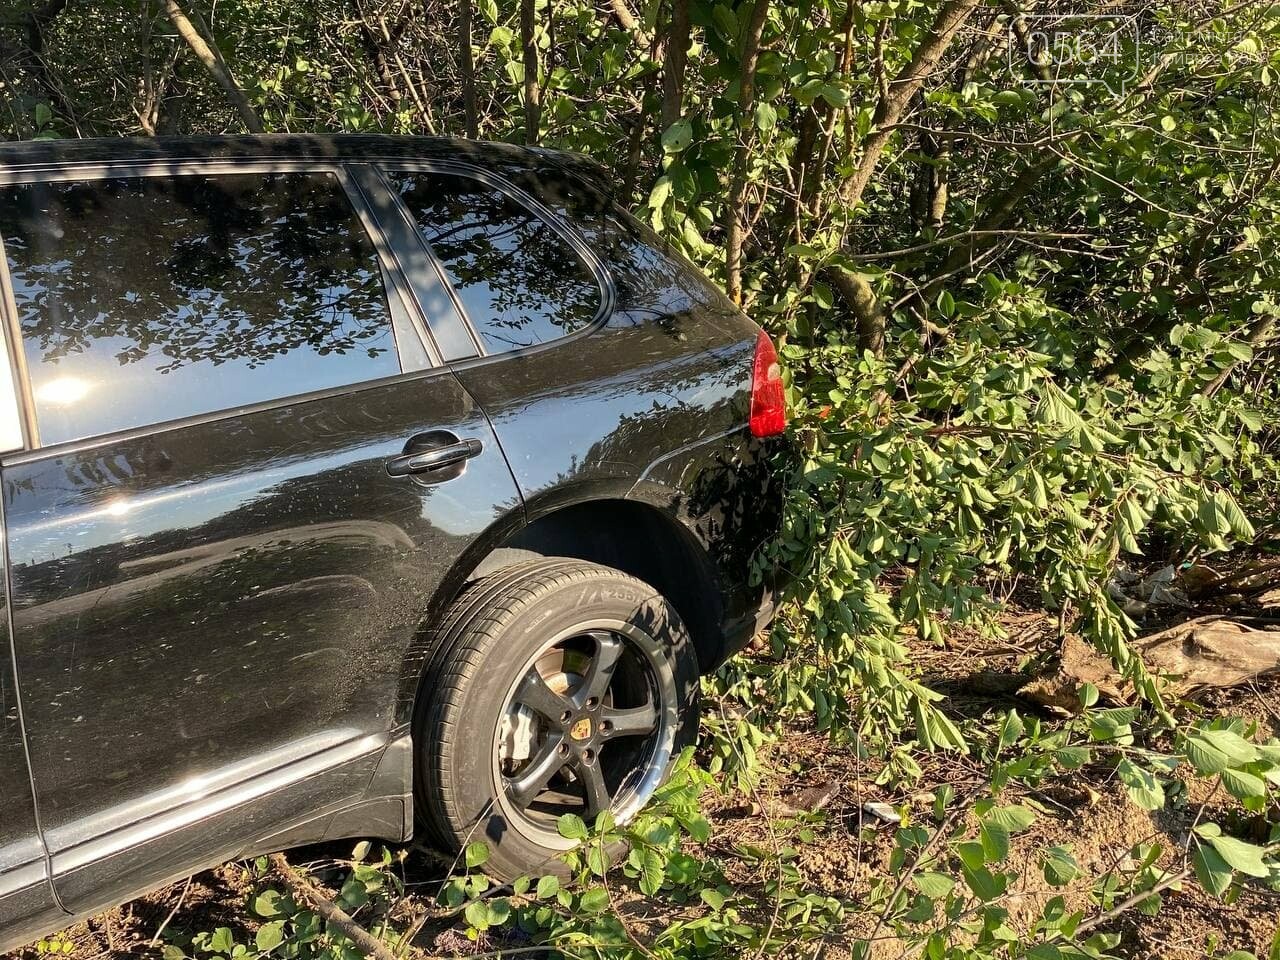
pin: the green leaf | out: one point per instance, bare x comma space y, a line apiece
222, 941
1239, 855
1059, 866
1143, 787
595, 900
712, 898
1243, 785
995, 841
766, 117
1241, 528
1212, 751
1011, 729
935, 886
270, 936
972, 855
1014, 819
678, 136
571, 827
477, 854
548, 886
477, 914
660, 192
1211, 870
653, 871
986, 886
267, 904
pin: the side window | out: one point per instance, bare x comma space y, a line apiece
146, 299
520, 282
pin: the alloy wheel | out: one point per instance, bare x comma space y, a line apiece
588, 725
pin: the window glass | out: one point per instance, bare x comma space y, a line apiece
520, 281
145, 299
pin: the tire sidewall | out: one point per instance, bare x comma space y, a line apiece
473, 719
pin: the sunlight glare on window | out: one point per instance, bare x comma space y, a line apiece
63, 391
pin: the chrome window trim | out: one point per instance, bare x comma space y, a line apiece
72, 173
438, 309
17, 425
579, 245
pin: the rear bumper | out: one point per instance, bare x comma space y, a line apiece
739, 631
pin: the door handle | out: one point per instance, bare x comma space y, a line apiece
437, 458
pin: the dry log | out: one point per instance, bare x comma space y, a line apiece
1201, 654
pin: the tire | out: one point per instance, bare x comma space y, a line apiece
558, 686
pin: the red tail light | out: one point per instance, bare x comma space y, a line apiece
768, 404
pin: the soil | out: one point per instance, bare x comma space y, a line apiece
848, 848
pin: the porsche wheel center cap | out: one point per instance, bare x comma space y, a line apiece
581, 730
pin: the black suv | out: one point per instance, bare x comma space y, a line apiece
346, 482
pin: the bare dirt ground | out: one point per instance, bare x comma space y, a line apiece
847, 849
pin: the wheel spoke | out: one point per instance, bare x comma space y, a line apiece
533, 776
597, 793
631, 722
537, 696
605, 661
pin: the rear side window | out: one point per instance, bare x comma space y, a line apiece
146, 299
520, 282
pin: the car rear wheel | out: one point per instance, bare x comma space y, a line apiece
562, 687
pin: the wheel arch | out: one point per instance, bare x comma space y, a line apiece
610, 525
638, 537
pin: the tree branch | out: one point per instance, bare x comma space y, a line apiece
213, 63
742, 154
678, 33
900, 91
532, 92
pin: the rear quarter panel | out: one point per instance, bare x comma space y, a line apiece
651, 404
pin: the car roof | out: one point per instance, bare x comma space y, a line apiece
336, 147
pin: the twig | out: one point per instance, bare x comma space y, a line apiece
369, 944
172, 913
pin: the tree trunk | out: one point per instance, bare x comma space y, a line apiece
532, 92
468, 66
674, 64
900, 91
742, 155
213, 63
867, 311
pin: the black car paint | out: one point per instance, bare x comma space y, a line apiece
227, 664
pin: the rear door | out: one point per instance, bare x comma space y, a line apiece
26, 896
251, 474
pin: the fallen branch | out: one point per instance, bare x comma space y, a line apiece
333, 914
1201, 654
